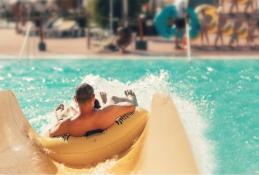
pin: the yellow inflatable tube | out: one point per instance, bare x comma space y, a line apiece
243, 32
211, 11
88, 151
228, 28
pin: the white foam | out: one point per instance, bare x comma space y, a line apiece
144, 88
195, 128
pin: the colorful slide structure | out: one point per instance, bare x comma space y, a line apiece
163, 146
164, 17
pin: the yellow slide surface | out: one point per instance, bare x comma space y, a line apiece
19, 151
162, 148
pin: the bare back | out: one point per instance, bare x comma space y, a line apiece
93, 120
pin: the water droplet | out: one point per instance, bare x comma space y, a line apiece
210, 69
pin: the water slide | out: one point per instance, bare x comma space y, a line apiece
19, 151
163, 147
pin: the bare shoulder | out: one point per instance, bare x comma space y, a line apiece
63, 123
60, 128
108, 115
118, 109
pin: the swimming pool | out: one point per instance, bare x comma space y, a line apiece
218, 100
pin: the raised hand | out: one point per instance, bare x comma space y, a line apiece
60, 107
103, 97
132, 96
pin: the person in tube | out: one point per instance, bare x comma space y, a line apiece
89, 118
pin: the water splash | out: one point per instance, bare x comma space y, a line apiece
195, 128
144, 87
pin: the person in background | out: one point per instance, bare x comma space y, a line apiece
222, 5
17, 11
123, 39
120, 42
249, 4
251, 32
205, 24
234, 4
180, 21
222, 20
234, 37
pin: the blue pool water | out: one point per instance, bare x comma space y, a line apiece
218, 100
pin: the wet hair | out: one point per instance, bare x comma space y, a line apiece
84, 93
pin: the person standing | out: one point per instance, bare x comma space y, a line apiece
234, 37
251, 33
249, 4
17, 11
234, 4
222, 20
222, 5
180, 21
205, 24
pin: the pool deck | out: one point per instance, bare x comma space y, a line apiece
11, 44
